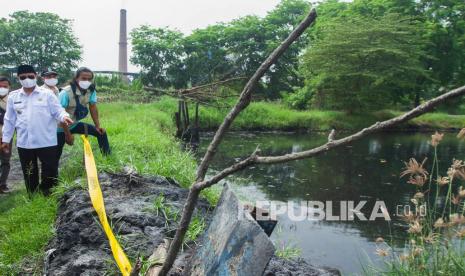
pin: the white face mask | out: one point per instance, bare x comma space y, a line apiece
3, 91
84, 84
51, 82
28, 83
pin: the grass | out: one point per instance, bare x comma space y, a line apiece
140, 136
24, 230
435, 245
163, 208
196, 227
277, 116
288, 252
285, 249
171, 214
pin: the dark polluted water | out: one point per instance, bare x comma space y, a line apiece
367, 170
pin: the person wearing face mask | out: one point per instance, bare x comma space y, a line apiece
4, 156
33, 112
50, 81
78, 99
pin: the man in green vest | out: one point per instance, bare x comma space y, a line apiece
78, 99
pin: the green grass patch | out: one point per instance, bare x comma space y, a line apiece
141, 137
25, 229
277, 116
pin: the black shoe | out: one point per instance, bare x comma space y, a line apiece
4, 190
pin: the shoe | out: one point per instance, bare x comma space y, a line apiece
4, 190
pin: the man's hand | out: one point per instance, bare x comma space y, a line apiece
67, 121
69, 139
100, 130
6, 148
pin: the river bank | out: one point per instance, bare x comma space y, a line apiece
267, 116
143, 212
141, 136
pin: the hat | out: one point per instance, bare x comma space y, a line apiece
48, 72
24, 69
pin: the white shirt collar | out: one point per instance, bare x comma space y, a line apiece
36, 90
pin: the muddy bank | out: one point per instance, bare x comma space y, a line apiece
80, 246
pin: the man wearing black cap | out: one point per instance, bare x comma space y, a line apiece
50, 78
33, 112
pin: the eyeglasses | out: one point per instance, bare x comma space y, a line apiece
28, 76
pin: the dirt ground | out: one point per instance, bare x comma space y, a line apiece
15, 178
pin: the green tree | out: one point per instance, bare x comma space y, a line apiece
364, 63
284, 76
207, 56
236, 48
446, 22
40, 39
160, 53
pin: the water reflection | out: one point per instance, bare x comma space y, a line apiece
366, 170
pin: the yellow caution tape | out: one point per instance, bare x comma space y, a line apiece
97, 201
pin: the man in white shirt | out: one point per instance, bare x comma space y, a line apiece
33, 112
4, 156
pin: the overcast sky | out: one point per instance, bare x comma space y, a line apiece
96, 22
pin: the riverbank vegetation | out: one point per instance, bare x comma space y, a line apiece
436, 221
277, 116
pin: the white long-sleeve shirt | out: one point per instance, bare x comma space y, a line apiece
34, 117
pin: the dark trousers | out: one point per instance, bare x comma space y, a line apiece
80, 128
49, 172
4, 167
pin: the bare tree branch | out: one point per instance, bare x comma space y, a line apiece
195, 93
254, 158
245, 97
242, 103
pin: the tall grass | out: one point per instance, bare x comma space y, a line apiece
436, 222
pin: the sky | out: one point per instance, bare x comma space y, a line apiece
96, 22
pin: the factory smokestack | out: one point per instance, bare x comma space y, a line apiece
123, 44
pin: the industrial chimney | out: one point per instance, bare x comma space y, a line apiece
123, 45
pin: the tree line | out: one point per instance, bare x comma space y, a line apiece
360, 56
43, 40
